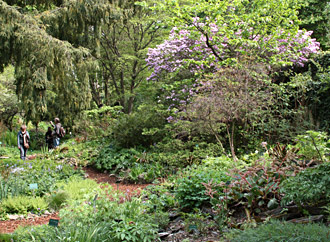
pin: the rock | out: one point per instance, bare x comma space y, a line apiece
47, 213
173, 215
15, 216
316, 218
292, 212
164, 234
31, 215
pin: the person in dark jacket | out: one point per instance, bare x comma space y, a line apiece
49, 138
56, 133
23, 141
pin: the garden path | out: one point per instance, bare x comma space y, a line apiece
130, 190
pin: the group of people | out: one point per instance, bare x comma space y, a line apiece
52, 137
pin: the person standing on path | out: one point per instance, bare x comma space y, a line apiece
23, 140
49, 138
56, 133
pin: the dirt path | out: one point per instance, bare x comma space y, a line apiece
9, 226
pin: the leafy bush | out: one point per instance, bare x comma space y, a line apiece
179, 153
189, 189
98, 122
223, 163
309, 186
73, 232
133, 129
5, 238
276, 231
77, 188
42, 233
76, 152
2, 151
15, 178
144, 172
159, 197
313, 145
57, 199
127, 221
116, 159
9, 138
198, 219
23, 204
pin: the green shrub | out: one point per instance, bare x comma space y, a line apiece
159, 197
178, 153
75, 152
98, 122
130, 231
313, 145
2, 151
127, 221
73, 232
11, 188
77, 188
5, 238
223, 163
276, 231
116, 159
133, 129
9, 138
144, 172
198, 219
23, 205
57, 199
189, 189
309, 186
43, 172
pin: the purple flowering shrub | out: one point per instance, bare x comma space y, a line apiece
208, 48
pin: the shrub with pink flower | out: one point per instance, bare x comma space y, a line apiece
198, 50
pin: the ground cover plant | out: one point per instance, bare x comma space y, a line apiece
16, 194
283, 231
106, 220
308, 187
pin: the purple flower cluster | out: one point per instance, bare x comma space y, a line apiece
188, 49
176, 52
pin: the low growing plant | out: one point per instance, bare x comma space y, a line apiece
276, 231
76, 188
23, 205
313, 145
253, 188
310, 186
197, 219
189, 189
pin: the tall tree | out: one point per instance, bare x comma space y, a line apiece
315, 16
124, 46
9, 105
43, 64
69, 52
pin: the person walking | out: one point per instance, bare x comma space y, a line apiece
56, 133
23, 141
49, 138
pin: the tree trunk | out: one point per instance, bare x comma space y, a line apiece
130, 105
231, 139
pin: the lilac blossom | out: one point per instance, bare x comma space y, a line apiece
184, 50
